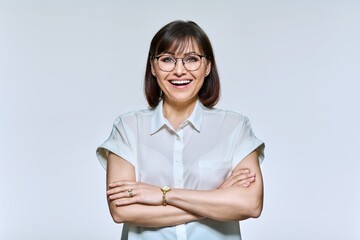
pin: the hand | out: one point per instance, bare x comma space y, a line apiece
241, 177
126, 192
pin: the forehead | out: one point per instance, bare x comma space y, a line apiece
185, 46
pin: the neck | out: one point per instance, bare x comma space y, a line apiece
177, 113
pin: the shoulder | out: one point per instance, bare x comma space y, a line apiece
133, 116
225, 115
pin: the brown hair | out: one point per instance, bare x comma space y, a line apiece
178, 34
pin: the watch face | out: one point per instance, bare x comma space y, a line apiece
165, 188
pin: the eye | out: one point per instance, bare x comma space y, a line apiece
167, 59
190, 59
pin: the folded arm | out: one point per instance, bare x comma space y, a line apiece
238, 198
230, 203
137, 213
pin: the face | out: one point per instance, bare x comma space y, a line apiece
181, 86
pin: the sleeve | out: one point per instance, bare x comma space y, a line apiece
120, 142
247, 142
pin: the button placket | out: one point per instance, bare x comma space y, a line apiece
177, 160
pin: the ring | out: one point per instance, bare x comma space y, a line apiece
130, 191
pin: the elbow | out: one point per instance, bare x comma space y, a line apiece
255, 208
124, 214
250, 209
116, 218
246, 211
118, 215
255, 212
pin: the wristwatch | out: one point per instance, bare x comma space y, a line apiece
164, 190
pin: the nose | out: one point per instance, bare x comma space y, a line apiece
179, 67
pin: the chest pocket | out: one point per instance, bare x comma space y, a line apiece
213, 173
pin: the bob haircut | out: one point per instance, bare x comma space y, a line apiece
177, 35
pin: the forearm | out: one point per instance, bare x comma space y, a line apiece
229, 204
151, 216
232, 201
238, 198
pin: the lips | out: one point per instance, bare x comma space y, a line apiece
180, 82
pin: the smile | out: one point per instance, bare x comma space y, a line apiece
180, 82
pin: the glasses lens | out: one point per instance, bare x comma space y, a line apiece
192, 62
167, 63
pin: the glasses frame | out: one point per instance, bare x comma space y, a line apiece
182, 60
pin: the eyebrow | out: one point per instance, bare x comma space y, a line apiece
186, 54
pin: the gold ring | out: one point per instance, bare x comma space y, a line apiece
130, 191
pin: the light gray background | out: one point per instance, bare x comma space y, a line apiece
68, 68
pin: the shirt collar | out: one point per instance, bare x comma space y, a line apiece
158, 120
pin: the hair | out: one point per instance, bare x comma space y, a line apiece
177, 35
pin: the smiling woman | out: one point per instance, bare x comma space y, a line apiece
181, 81
182, 169
189, 41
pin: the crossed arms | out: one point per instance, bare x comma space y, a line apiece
239, 197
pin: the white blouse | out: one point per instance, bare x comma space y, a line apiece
199, 155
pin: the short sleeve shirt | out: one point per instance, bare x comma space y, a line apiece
199, 155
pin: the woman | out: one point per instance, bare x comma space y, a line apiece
182, 169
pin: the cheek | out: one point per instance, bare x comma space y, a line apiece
161, 76
161, 83
200, 76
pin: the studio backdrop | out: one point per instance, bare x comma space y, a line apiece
69, 68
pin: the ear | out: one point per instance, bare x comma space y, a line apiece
208, 69
152, 69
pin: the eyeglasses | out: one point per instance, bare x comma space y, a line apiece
168, 62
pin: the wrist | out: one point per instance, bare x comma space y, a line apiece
165, 189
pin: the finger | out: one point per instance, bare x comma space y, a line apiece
123, 188
251, 179
228, 183
125, 201
117, 196
241, 179
245, 183
130, 193
120, 183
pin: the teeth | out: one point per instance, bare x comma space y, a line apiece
180, 82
